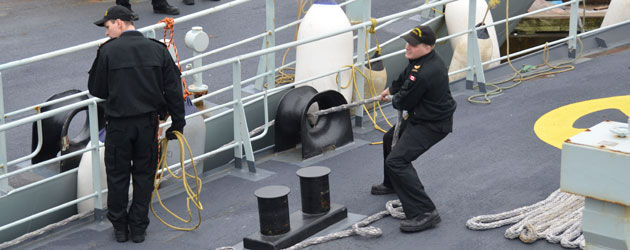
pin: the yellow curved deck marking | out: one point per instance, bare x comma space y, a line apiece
556, 126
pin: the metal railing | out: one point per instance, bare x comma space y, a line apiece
237, 104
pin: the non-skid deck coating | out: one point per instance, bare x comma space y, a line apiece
492, 162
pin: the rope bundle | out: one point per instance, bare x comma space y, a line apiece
361, 228
556, 219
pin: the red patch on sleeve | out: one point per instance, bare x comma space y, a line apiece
413, 78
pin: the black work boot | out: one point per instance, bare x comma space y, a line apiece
138, 237
420, 222
189, 2
168, 9
121, 235
381, 189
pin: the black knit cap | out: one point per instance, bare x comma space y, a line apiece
115, 12
420, 34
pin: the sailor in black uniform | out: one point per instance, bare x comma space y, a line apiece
159, 7
422, 90
140, 82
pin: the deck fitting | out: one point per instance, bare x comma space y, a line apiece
314, 190
303, 226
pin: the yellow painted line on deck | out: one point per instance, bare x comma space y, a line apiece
556, 126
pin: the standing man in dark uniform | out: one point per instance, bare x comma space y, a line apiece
159, 7
140, 82
422, 90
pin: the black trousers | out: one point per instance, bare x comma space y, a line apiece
130, 150
399, 173
155, 3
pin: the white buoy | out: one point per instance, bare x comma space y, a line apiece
460, 57
84, 180
326, 55
457, 21
618, 11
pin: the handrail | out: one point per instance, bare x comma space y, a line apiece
92, 44
308, 40
44, 163
244, 101
48, 103
261, 35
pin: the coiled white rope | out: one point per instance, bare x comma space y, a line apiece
361, 228
556, 219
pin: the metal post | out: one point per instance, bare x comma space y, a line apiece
96, 161
271, 42
197, 40
268, 62
241, 132
4, 183
198, 77
236, 96
475, 73
361, 40
573, 21
150, 34
247, 142
358, 12
428, 13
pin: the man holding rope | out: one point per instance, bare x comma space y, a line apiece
140, 82
422, 89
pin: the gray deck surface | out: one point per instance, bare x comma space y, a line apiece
492, 162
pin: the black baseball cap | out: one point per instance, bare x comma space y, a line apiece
115, 12
420, 34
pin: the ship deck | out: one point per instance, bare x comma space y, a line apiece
492, 162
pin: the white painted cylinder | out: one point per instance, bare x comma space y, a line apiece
618, 11
84, 180
457, 21
326, 55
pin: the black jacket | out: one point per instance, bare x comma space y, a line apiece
423, 90
136, 76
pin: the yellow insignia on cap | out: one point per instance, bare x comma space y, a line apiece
106, 12
417, 31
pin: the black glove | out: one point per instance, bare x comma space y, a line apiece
169, 132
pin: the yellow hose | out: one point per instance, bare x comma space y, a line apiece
193, 195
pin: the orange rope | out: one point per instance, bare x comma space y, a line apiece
170, 27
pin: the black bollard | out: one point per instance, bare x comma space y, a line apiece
273, 210
315, 190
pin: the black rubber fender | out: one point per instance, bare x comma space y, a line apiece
329, 131
289, 115
53, 128
69, 145
292, 125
